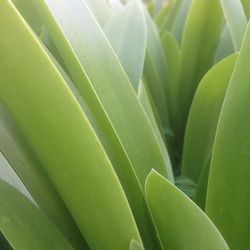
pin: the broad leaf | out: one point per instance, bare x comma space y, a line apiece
228, 202
181, 224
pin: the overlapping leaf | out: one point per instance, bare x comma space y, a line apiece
203, 117
228, 202
24, 226
180, 222
62, 137
200, 38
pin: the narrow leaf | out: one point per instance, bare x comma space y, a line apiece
246, 6
115, 99
126, 32
203, 117
24, 226
201, 35
236, 20
28, 167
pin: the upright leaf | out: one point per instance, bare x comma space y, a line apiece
175, 18
101, 9
173, 56
228, 202
236, 20
203, 117
181, 224
225, 46
200, 38
126, 32
155, 71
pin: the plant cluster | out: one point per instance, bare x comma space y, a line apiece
124, 125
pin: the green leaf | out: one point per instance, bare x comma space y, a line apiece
29, 13
101, 10
228, 202
23, 225
5, 245
58, 131
173, 56
175, 19
132, 42
126, 32
200, 39
181, 224
155, 71
225, 46
246, 6
134, 245
144, 98
160, 17
203, 117
236, 20
115, 99
8, 175
25, 163
200, 195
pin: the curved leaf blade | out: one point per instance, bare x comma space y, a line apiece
180, 222
228, 202
201, 35
203, 117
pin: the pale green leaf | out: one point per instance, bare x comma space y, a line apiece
225, 46
236, 20
134, 245
101, 9
155, 71
126, 32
